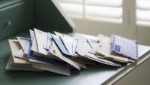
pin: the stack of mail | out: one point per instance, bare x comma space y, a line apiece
59, 53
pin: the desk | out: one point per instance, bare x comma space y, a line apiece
93, 75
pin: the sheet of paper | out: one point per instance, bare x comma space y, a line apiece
91, 40
83, 47
93, 44
40, 37
23, 42
124, 46
104, 49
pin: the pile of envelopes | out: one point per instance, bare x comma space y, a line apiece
58, 53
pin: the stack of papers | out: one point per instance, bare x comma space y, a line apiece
59, 53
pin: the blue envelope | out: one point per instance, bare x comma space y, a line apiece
60, 45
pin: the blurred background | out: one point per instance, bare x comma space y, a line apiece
129, 18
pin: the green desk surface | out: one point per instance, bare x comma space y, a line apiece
93, 75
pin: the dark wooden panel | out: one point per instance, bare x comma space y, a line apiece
15, 18
49, 17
